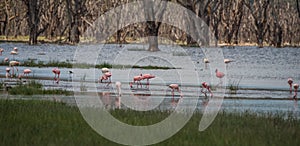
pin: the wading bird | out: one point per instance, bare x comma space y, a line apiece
173, 88
290, 82
106, 76
296, 86
205, 60
26, 72
219, 75
1, 50
147, 77
137, 80
7, 75
206, 88
56, 72
104, 70
13, 64
226, 61
118, 95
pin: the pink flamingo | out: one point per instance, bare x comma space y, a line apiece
118, 98
6, 59
296, 86
26, 72
56, 72
13, 64
7, 72
15, 49
290, 82
147, 77
137, 80
226, 61
1, 50
105, 70
207, 87
219, 75
106, 76
175, 87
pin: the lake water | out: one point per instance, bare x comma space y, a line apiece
261, 72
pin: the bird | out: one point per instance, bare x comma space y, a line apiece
118, 98
13, 64
137, 80
219, 75
7, 72
1, 50
207, 87
6, 59
105, 70
226, 61
106, 76
26, 72
205, 60
147, 77
175, 87
290, 82
296, 86
13, 53
56, 72
15, 49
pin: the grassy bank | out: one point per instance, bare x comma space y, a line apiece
36, 88
64, 64
49, 123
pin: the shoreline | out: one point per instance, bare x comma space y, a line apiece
58, 42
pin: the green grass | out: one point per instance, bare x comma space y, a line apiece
234, 86
35, 88
32, 122
67, 64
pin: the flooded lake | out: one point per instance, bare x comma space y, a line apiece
261, 73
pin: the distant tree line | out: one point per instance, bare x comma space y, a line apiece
271, 22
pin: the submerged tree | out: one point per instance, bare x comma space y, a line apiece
153, 12
34, 13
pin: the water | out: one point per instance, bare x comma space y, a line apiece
262, 72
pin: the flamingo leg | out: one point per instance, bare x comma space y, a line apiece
295, 96
291, 88
173, 95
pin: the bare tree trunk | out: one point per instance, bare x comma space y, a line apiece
298, 7
73, 18
153, 12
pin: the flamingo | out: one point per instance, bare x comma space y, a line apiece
105, 70
118, 98
56, 72
207, 87
219, 74
175, 87
13, 64
205, 60
290, 82
1, 50
13, 53
137, 80
147, 77
7, 72
15, 49
226, 61
6, 59
296, 86
106, 76
26, 72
